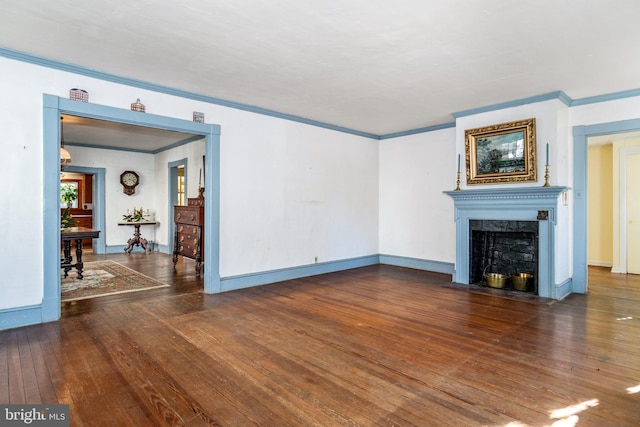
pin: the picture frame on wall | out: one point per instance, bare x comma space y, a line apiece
503, 153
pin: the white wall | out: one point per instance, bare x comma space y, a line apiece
116, 202
416, 218
193, 152
549, 116
289, 192
151, 193
297, 193
604, 112
600, 205
551, 128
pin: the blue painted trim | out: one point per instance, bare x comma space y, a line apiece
136, 150
53, 106
51, 209
580, 268
420, 264
103, 147
419, 130
266, 277
212, 214
518, 204
112, 114
165, 249
560, 95
606, 97
119, 249
580, 137
516, 103
22, 316
493, 196
563, 289
76, 69
564, 98
178, 144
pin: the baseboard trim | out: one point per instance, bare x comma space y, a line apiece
266, 277
29, 315
564, 289
599, 264
417, 263
20, 316
153, 247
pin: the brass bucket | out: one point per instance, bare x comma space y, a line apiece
521, 281
496, 280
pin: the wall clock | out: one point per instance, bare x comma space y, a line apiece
129, 181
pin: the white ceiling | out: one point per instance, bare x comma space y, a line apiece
103, 134
369, 65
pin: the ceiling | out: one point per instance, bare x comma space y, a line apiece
112, 135
371, 66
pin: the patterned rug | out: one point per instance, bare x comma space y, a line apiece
102, 278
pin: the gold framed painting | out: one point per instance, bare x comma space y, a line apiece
501, 153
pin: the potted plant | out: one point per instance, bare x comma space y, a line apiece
137, 215
67, 220
68, 194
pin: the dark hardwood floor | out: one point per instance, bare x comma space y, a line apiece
374, 346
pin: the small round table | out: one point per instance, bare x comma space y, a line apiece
137, 239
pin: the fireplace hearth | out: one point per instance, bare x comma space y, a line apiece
517, 229
505, 247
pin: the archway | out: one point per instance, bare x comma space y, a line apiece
580, 136
53, 107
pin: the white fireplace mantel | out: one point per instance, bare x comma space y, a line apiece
511, 204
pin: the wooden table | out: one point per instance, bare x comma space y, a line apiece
137, 239
67, 235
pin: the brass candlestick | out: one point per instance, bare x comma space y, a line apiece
546, 176
458, 182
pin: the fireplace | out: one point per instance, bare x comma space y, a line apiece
504, 247
509, 220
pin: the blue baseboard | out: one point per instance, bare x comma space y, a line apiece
30, 315
420, 264
563, 289
263, 278
20, 316
154, 247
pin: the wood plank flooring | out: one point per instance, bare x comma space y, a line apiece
373, 346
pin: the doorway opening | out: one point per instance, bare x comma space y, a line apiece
581, 136
53, 108
613, 206
79, 206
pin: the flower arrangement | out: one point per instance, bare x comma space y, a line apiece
137, 215
66, 220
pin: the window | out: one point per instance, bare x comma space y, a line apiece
181, 185
69, 194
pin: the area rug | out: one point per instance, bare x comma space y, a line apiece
102, 278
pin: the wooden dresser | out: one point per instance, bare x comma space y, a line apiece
189, 232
